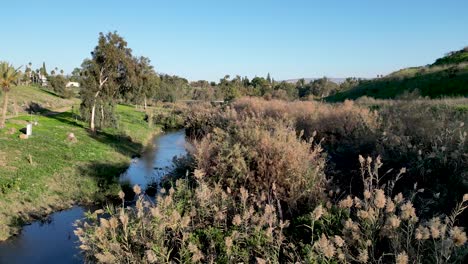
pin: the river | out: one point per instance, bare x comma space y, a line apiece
52, 240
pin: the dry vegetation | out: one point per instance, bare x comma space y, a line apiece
276, 182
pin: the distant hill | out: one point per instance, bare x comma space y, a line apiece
335, 80
447, 76
455, 57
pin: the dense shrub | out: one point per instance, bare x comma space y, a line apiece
347, 130
376, 228
215, 224
201, 119
206, 224
257, 171
430, 140
427, 136
167, 115
263, 160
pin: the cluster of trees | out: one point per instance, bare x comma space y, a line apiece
114, 75
56, 80
229, 88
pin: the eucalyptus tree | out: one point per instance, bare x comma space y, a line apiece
104, 75
8, 77
142, 82
147, 82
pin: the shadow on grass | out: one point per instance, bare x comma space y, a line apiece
68, 118
119, 142
105, 174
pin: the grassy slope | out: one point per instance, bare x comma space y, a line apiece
447, 77
21, 96
47, 173
454, 57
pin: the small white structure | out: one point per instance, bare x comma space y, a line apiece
72, 84
43, 80
29, 129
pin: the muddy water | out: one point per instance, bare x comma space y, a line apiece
52, 240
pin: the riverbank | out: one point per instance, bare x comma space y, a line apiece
48, 172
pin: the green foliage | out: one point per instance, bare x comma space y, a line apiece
54, 176
318, 88
58, 83
105, 75
168, 115
448, 76
172, 88
454, 57
8, 77
43, 70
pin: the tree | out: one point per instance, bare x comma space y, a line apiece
246, 82
43, 70
349, 83
268, 78
76, 75
262, 85
145, 83
58, 84
8, 76
289, 88
322, 87
105, 73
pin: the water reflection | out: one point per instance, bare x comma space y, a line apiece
52, 240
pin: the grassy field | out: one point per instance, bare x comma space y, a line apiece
22, 97
47, 172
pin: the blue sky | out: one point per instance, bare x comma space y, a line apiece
206, 39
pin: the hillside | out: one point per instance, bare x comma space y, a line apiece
21, 99
454, 57
447, 76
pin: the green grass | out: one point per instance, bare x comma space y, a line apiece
21, 96
432, 82
448, 76
454, 57
47, 172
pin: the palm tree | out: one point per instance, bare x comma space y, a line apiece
8, 76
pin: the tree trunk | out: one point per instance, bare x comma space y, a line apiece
145, 102
4, 111
91, 120
102, 116
93, 111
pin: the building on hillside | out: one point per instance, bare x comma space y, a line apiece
73, 84
43, 80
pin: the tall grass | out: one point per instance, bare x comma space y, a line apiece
281, 182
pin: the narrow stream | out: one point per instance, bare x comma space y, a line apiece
52, 240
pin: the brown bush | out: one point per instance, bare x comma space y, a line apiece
274, 161
206, 224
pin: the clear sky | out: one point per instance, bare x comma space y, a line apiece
201, 39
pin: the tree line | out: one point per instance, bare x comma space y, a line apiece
112, 75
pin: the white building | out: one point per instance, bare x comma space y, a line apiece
73, 84
43, 80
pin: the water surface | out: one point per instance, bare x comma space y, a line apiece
52, 240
